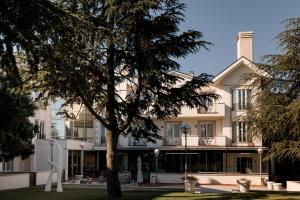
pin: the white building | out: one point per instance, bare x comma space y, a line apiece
220, 150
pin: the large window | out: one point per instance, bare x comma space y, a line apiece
58, 126
206, 129
209, 161
242, 100
82, 127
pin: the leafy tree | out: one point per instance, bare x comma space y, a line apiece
16, 131
276, 114
97, 46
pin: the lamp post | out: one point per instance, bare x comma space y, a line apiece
185, 128
260, 151
156, 151
81, 163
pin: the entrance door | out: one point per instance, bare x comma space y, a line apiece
244, 165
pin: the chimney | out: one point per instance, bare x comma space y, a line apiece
245, 45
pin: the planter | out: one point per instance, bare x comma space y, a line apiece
244, 185
277, 186
270, 185
190, 185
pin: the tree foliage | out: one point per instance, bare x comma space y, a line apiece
84, 51
276, 114
16, 131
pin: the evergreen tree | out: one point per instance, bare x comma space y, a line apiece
16, 131
276, 114
95, 46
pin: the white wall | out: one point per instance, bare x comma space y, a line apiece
293, 186
14, 181
215, 179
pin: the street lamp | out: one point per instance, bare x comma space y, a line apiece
185, 128
260, 151
156, 151
81, 165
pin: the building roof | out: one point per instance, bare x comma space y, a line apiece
241, 61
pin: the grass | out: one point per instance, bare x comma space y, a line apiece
97, 194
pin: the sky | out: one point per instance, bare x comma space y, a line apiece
221, 20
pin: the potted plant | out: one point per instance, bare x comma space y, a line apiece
190, 183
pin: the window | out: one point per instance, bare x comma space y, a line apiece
41, 134
172, 130
209, 106
102, 136
240, 133
242, 99
82, 127
244, 165
206, 129
7, 166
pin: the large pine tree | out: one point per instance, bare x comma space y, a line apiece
16, 131
131, 42
276, 114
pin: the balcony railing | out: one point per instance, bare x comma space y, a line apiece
209, 109
172, 141
239, 106
195, 140
136, 142
207, 141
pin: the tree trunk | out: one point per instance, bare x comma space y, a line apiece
113, 183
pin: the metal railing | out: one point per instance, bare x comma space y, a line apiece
172, 141
136, 142
239, 106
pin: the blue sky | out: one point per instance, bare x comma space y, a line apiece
221, 20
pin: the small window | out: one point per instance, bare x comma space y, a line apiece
240, 133
41, 134
172, 130
242, 100
7, 166
206, 129
102, 136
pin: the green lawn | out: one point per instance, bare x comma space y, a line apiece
93, 194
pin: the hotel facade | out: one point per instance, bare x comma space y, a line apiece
219, 147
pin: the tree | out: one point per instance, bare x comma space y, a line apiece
276, 114
133, 42
25, 28
16, 131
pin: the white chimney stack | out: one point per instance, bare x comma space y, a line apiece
245, 45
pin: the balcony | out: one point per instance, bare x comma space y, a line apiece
214, 141
137, 142
195, 140
241, 107
172, 141
216, 110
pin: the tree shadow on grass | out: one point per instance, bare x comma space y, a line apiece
100, 194
229, 196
